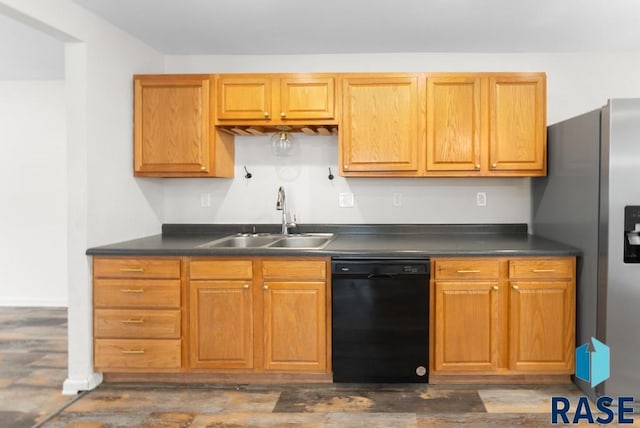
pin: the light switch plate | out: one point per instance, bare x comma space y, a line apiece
345, 200
205, 200
481, 199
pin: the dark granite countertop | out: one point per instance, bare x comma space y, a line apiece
370, 241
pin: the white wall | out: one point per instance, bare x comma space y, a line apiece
575, 83
33, 248
37, 56
314, 198
105, 202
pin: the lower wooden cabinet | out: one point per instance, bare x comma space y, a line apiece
502, 317
258, 315
295, 308
542, 315
137, 317
221, 329
490, 317
466, 327
122, 355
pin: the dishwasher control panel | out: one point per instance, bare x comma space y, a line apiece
380, 267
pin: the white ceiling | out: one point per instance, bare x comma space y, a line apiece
372, 26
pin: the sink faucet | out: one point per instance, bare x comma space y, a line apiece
281, 205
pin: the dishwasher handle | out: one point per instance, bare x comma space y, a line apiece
381, 275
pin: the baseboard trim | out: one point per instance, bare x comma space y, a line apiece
74, 386
13, 302
499, 379
222, 378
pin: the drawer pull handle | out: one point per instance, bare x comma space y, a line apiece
133, 351
468, 271
133, 321
132, 290
140, 270
543, 270
515, 287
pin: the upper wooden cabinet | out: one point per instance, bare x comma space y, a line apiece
517, 123
389, 124
454, 112
443, 124
379, 130
173, 136
486, 124
272, 99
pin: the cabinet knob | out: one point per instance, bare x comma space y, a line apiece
266, 114
203, 168
265, 287
245, 286
477, 166
282, 114
515, 287
346, 167
495, 288
494, 165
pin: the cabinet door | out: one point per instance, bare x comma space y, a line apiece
307, 98
295, 326
453, 123
244, 97
379, 132
466, 326
171, 132
517, 123
542, 326
221, 331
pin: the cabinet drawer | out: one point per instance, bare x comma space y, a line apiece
136, 293
131, 267
221, 269
294, 269
137, 323
466, 269
137, 354
541, 268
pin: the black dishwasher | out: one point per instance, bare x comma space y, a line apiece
380, 318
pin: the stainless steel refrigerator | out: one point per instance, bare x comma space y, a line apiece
591, 200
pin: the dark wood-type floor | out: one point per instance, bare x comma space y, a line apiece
33, 359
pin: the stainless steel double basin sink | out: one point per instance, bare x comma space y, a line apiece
307, 241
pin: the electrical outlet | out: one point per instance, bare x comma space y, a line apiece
397, 199
345, 200
481, 199
205, 200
